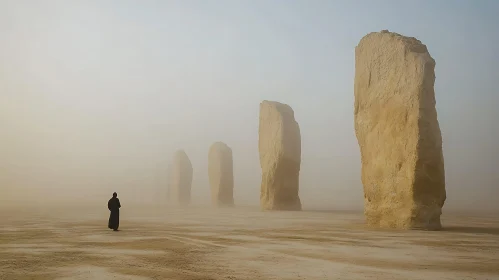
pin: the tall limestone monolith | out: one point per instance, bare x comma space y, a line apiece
280, 157
398, 132
180, 179
221, 176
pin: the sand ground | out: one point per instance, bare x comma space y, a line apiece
241, 243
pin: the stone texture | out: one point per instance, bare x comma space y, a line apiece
180, 179
398, 132
220, 173
280, 157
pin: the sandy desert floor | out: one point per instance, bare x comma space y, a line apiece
239, 244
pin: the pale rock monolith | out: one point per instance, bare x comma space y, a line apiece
398, 132
280, 157
221, 176
180, 179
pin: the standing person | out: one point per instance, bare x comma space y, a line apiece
114, 218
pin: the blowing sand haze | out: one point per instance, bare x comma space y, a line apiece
249, 140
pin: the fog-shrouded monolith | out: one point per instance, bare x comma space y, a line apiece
398, 132
169, 180
180, 179
280, 157
221, 176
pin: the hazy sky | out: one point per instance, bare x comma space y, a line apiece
96, 96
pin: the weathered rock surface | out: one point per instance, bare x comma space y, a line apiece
180, 179
280, 157
220, 173
398, 132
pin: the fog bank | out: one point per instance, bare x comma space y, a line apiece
96, 96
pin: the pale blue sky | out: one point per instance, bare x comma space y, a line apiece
96, 96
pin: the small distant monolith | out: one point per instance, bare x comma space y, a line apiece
169, 180
398, 132
220, 173
180, 179
280, 157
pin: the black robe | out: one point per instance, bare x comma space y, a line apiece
114, 218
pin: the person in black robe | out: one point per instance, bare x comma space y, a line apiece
114, 218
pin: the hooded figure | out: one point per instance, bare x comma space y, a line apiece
114, 218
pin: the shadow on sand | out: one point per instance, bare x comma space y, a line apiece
332, 211
463, 229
